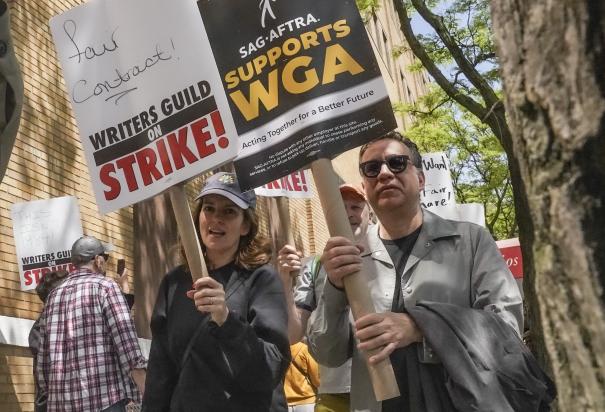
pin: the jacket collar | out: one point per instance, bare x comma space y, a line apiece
433, 229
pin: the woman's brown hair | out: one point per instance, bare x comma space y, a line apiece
50, 281
253, 250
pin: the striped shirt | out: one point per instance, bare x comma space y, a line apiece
88, 345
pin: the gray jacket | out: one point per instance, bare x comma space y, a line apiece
309, 286
451, 262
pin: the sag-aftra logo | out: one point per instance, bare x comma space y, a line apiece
265, 7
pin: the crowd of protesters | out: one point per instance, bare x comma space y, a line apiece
252, 338
248, 337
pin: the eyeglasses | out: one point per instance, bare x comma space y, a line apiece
395, 163
105, 256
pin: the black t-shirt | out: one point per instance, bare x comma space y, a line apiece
399, 251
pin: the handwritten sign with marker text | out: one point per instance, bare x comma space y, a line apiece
438, 194
44, 232
150, 108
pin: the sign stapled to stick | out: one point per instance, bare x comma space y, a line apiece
148, 100
300, 78
44, 231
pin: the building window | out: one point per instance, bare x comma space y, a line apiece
375, 28
387, 53
406, 98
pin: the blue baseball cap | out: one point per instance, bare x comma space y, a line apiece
225, 184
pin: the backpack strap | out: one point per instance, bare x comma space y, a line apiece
192, 341
303, 372
235, 282
172, 286
170, 295
315, 268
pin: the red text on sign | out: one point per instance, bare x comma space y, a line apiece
164, 156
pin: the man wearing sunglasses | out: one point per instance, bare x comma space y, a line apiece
412, 255
89, 357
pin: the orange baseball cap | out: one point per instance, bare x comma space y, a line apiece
353, 189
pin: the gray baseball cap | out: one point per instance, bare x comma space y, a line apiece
87, 247
225, 184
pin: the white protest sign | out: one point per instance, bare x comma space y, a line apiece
471, 212
438, 194
146, 93
293, 185
44, 231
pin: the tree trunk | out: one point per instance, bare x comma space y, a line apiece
552, 55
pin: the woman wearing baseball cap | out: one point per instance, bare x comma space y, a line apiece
221, 345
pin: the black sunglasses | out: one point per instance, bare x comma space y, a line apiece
395, 163
105, 256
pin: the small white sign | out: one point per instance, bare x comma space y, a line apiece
438, 195
44, 231
294, 185
471, 212
147, 95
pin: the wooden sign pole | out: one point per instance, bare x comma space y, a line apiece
186, 226
284, 219
284, 222
356, 288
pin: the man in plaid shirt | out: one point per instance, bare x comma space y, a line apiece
89, 358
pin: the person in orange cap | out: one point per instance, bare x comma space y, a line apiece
335, 383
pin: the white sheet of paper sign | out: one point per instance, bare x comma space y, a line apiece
438, 195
